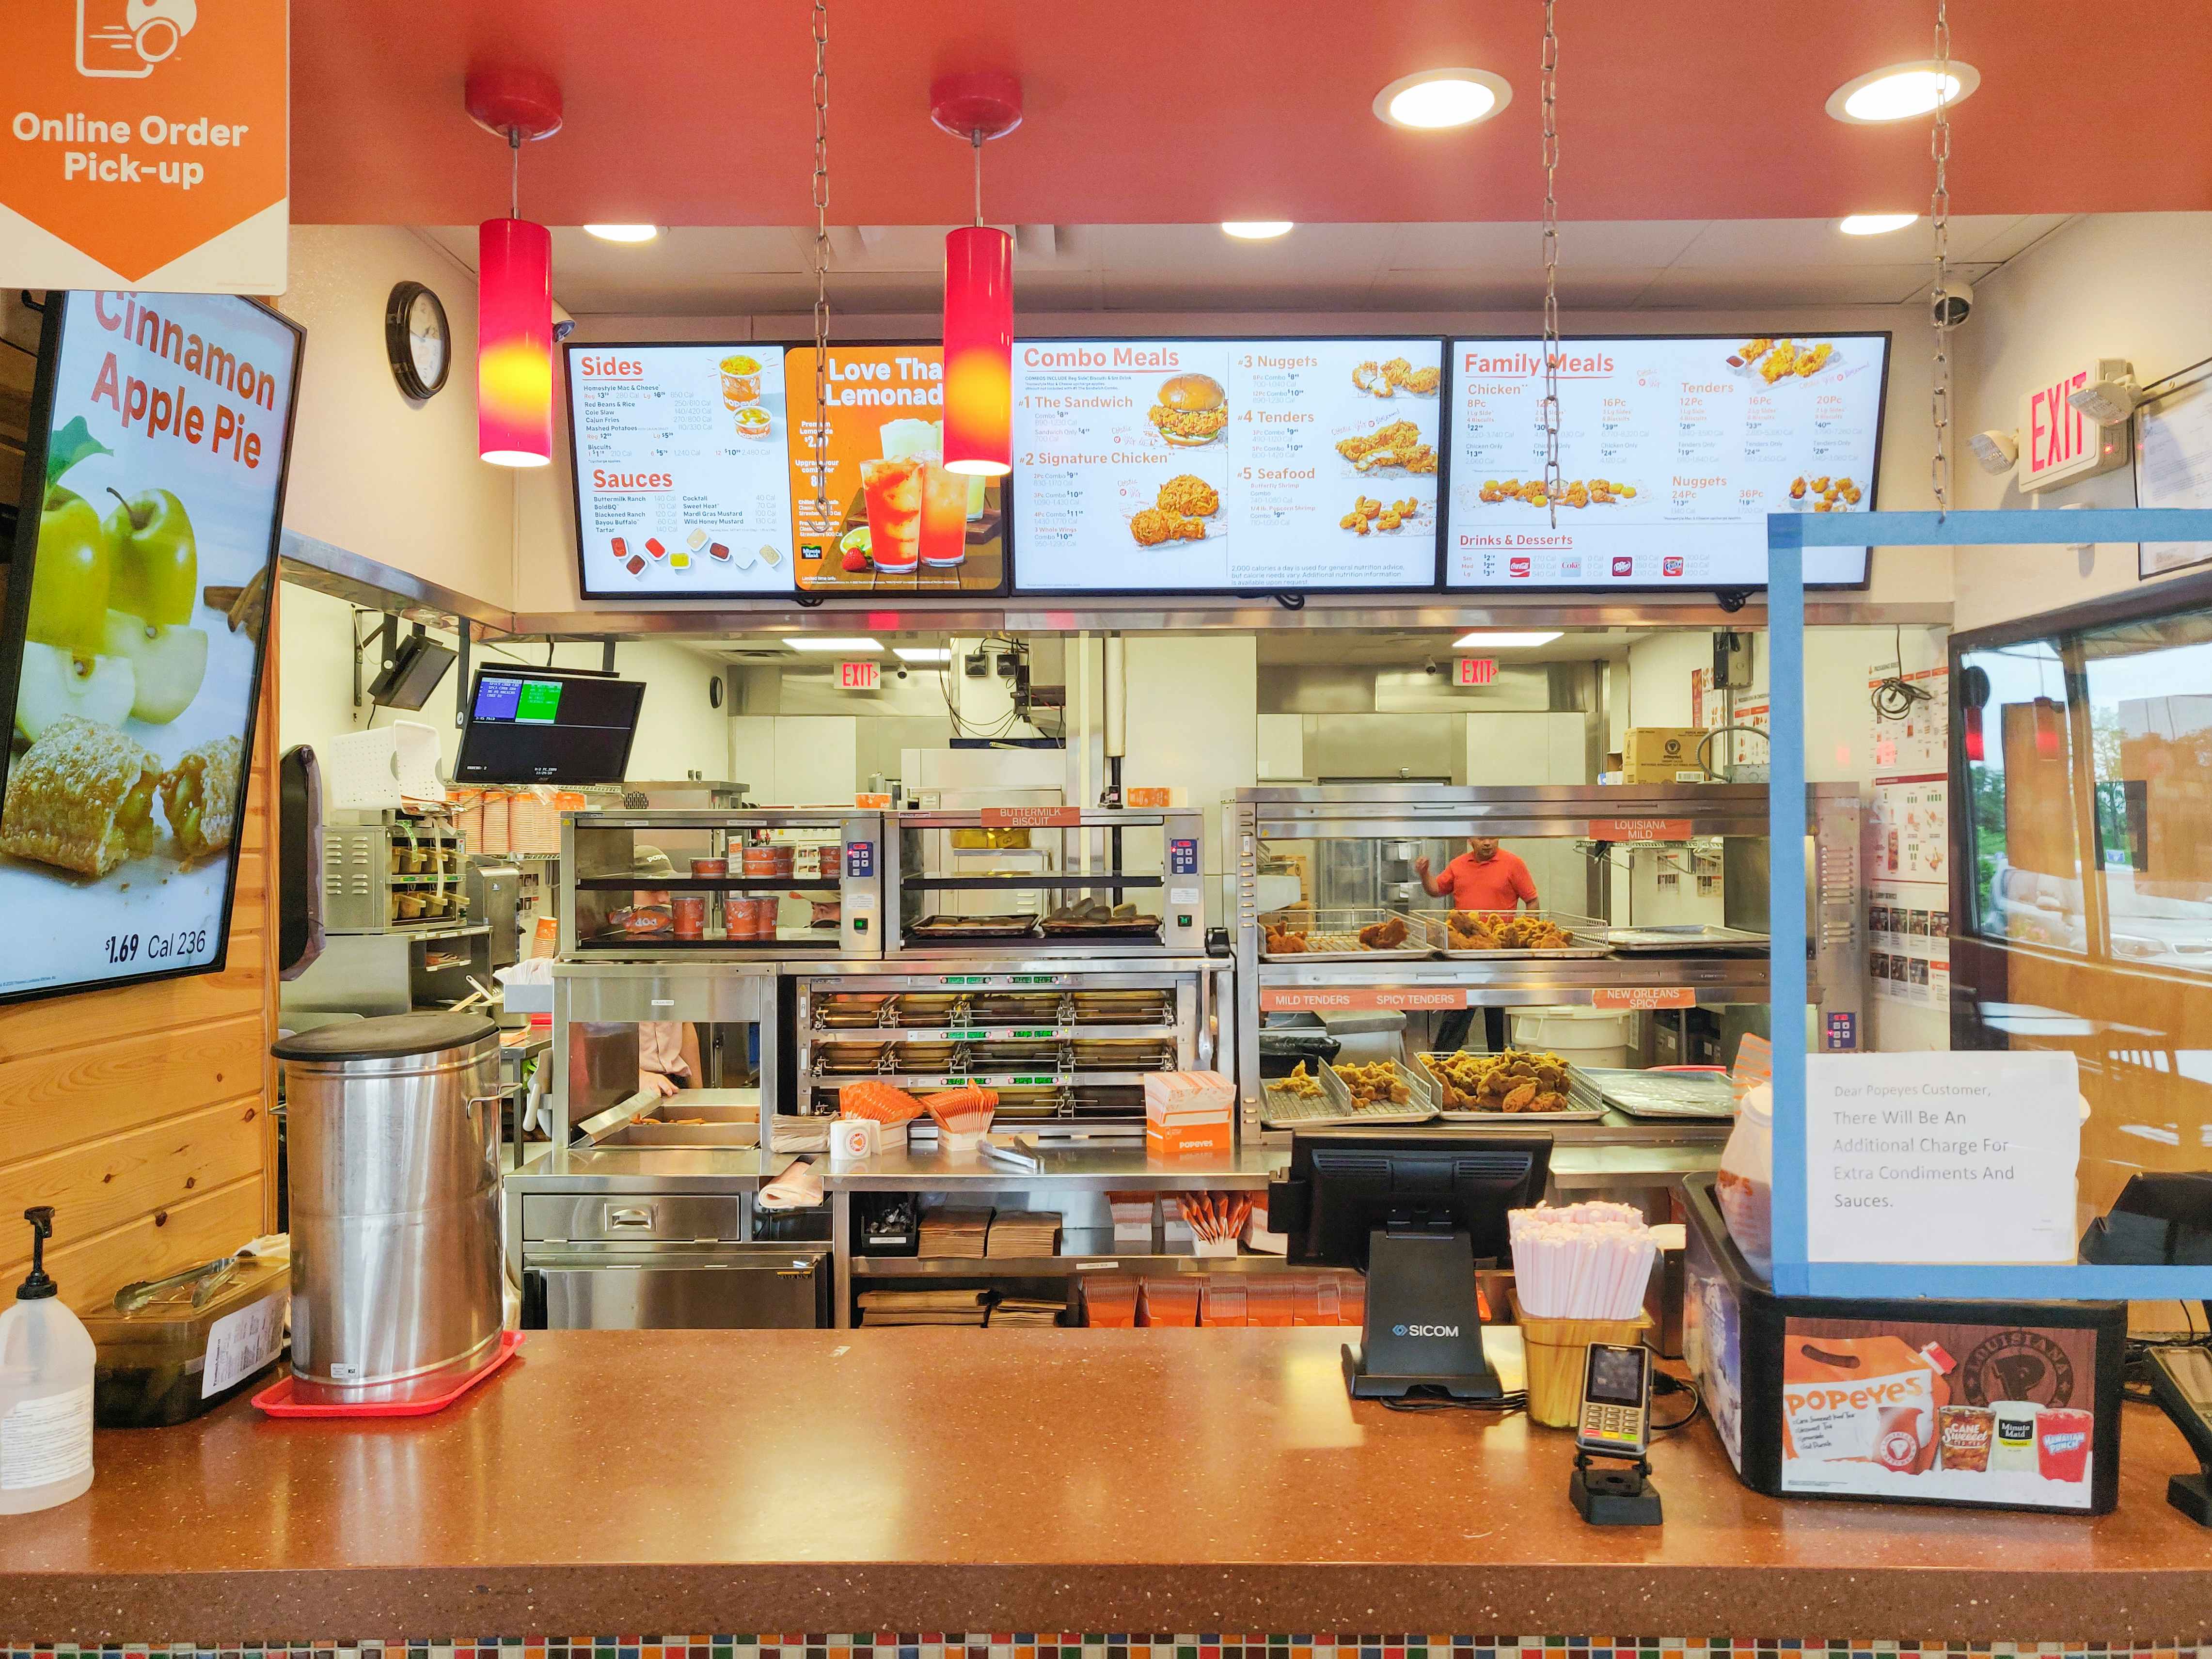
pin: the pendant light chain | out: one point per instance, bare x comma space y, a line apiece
514, 172
1551, 266
821, 444
1938, 145
975, 140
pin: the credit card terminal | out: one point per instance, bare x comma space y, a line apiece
2181, 1381
1616, 1415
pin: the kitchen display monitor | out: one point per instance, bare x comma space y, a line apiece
1672, 454
161, 429
897, 522
546, 726
1254, 466
682, 478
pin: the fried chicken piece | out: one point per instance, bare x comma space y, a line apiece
1383, 935
1368, 377
1809, 363
1186, 494
1751, 351
1151, 526
1779, 361
1522, 1099
1188, 422
1797, 487
1188, 530
1423, 382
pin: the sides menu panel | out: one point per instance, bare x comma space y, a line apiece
1250, 465
682, 487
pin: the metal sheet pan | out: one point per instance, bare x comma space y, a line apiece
1351, 921
1335, 1106
1676, 939
955, 928
1655, 1095
1587, 933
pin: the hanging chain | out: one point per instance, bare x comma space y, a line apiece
1939, 146
821, 446
976, 142
1551, 266
514, 172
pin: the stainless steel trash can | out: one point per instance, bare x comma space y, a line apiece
393, 1143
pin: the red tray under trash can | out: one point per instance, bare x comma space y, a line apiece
276, 1399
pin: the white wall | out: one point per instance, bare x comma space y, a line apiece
1193, 722
394, 481
2133, 285
677, 731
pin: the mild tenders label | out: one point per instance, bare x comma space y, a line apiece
46, 1439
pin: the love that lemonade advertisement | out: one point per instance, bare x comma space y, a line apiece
149, 550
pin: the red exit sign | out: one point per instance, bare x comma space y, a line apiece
1474, 671
859, 677
2057, 442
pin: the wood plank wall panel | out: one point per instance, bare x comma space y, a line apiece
143, 1114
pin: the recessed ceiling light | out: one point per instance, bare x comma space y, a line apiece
624, 233
823, 642
1443, 98
1507, 640
1901, 91
1255, 230
921, 652
1874, 224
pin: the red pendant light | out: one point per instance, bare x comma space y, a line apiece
514, 281
979, 289
1976, 749
2046, 728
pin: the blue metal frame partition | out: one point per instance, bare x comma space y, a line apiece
1788, 535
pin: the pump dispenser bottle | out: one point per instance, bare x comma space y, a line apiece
45, 1389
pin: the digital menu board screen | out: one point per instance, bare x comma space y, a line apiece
160, 432
683, 485
1672, 454
897, 522
1193, 466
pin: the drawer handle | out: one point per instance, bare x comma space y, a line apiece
629, 1218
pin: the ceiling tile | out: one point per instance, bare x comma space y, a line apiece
1330, 254
1514, 247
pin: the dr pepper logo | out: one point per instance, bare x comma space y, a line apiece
139, 131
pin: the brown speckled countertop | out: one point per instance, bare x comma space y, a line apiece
961, 1479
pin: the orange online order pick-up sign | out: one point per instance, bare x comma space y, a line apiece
148, 145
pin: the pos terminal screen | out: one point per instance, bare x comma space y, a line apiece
539, 726
1616, 1377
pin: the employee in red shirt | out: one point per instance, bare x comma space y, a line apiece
1485, 878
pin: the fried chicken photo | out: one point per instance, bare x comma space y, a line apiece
1513, 1081
1151, 526
1188, 495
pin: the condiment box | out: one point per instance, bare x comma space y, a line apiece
1662, 754
1980, 1405
169, 1362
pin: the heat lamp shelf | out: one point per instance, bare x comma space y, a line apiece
1047, 1032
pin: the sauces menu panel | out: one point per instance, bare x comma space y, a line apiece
1672, 454
889, 519
682, 483
1240, 465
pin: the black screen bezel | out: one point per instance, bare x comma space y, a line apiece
531, 670
1452, 343
15, 610
1016, 588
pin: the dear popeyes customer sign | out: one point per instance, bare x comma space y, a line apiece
146, 146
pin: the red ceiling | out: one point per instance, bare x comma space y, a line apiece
698, 112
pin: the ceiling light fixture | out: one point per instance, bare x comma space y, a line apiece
622, 233
1443, 98
514, 279
1506, 640
1901, 91
1256, 230
1874, 224
832, 642
979, 288
921, 652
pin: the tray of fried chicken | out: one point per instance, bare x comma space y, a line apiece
1498, 936
1363, 933
1382, 1091
1512, 1082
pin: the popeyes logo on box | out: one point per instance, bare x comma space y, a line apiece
149, 145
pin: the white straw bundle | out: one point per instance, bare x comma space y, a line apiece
1581, 1261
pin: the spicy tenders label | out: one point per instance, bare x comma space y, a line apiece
147, 144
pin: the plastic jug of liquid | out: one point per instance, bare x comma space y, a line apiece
45, 1389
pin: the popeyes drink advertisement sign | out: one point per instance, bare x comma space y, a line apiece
148, 145
1994, 1414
